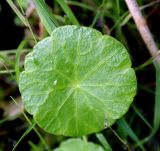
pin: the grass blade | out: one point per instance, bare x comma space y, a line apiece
145, 88
7, 71
68, 11
13, 51
122, 123
156, 122
18, 13
22, 18
24, 134
7, 60
18, 53
35, 147
141, 116
118, 7
46, 16
98, 14
36, 131
128, 17
104, 142
82, 5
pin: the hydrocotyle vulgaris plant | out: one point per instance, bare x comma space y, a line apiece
77, 81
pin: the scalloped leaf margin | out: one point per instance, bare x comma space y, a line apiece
77, 81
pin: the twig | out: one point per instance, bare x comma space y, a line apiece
149, 4
151, 45
143, 28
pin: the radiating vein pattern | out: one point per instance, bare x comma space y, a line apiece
77, 80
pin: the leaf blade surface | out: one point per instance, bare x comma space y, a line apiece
77, 81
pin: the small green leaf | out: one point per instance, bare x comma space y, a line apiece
77, 82
78, 145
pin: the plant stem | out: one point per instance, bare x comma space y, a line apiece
151, 45
22, 18
143, 28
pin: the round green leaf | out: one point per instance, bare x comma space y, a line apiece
78, 145
77, 81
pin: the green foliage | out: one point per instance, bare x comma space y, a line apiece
110, 17
77, 81
68, 11
156, 122
78, 145
104, 142
46, 16
122, 123
18, 13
